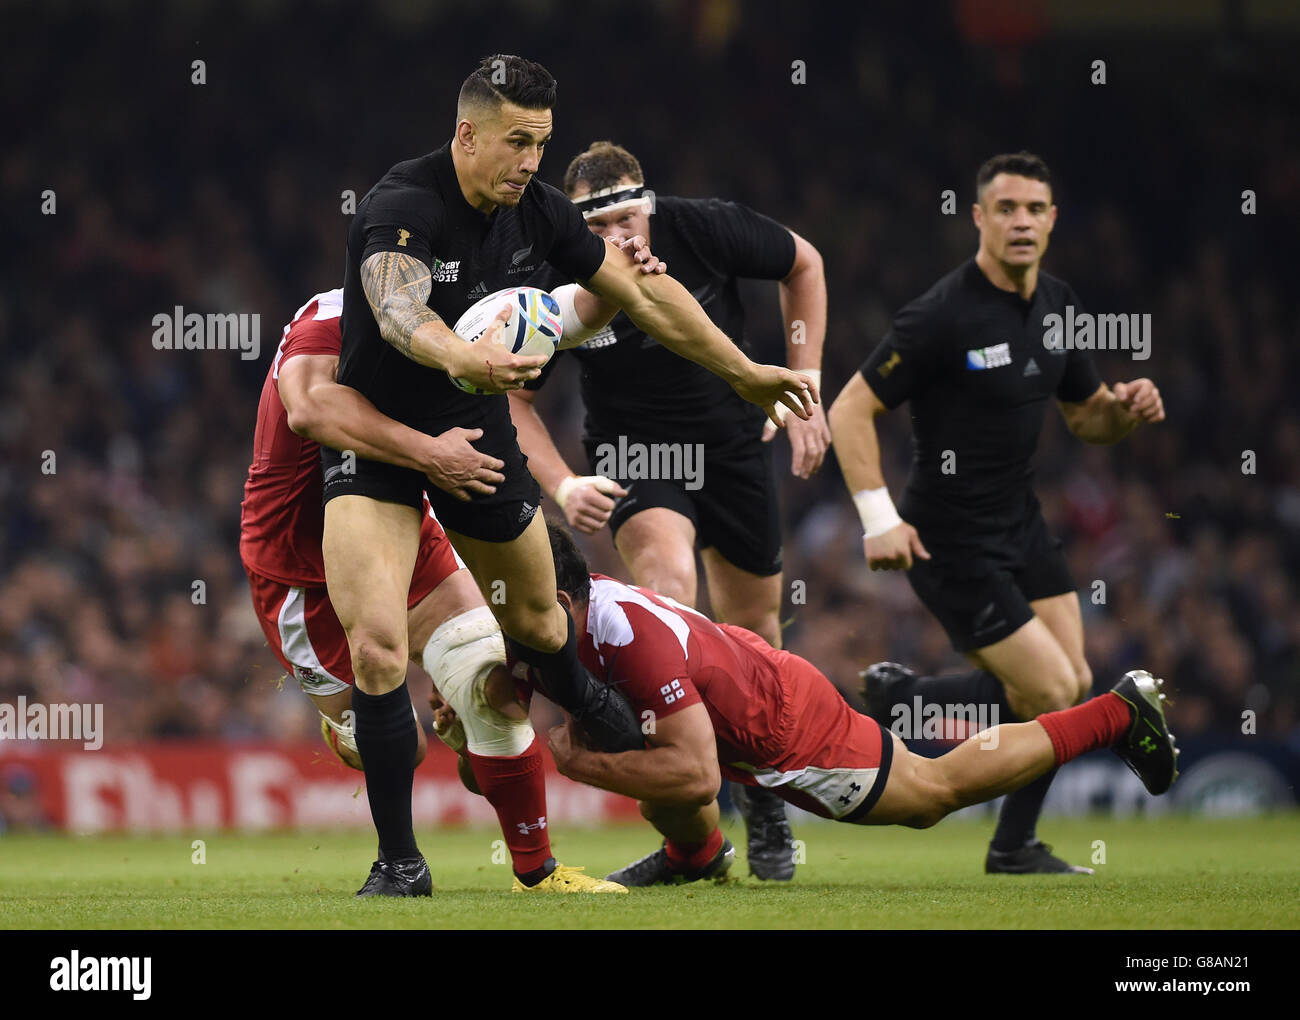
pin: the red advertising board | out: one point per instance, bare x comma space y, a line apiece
171, 786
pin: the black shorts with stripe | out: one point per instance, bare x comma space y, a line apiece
980, 591
728, 492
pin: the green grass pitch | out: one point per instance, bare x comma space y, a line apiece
1158, 873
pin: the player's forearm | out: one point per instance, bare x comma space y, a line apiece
664, 309
341, 418
803, 312
660, 774
857, 446
594, 311
544, 460
396, 287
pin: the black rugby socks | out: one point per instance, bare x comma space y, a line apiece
1018, 820
978, 687
387, 741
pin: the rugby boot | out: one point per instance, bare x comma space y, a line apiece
565, 879
1148, 748
656, 869
1034, 858
606, 719
408, 877
877, 690
770, 842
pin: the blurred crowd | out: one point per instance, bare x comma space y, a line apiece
123, 465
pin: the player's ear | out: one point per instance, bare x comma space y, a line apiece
465, 135
566, 600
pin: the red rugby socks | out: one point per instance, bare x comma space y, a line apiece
1098, 723
516, 788
693, 856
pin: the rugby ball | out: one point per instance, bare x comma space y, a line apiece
534, 327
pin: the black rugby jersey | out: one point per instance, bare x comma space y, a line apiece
971, 360
633, 385
417, 208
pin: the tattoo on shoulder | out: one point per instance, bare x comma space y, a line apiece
396, 287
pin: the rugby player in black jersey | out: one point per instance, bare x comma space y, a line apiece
971, 357
640, 394
434, 234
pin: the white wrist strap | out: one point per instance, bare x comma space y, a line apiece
877, 511
602, 484
815, 374
575, 331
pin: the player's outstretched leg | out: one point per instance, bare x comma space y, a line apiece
694, 847
1129, 719
1015, 847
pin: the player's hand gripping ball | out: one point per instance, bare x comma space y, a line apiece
534, 327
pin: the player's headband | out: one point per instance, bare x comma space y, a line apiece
608, 200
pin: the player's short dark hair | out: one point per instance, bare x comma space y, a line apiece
572, 575
503, 77
1022, 164
602, 166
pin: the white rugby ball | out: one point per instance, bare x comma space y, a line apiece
534, 327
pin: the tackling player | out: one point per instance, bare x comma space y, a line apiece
970, 354
280, 545
638, 392
725, 703
430, 237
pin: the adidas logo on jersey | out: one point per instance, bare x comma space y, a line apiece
1031, 368
988, 357
480, 290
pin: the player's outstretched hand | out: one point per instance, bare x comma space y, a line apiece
770, 385
809, 440
456, 467
1141, 399
639, 248
588, 501
895, 549
489, 365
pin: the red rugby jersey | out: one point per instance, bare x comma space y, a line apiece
281, 519
664, 657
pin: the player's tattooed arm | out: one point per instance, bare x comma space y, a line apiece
396, 287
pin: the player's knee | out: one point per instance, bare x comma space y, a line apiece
536, 625
1051, 693
466, 657
766, 623
378, 654
941, 798
675, 580
1082, 682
